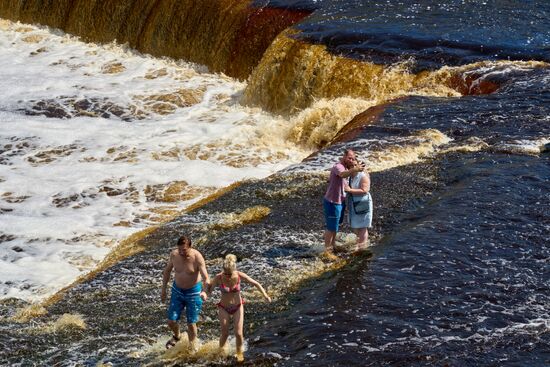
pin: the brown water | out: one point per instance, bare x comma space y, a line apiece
447, 102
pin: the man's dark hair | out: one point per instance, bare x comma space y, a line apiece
347, 150
183, 240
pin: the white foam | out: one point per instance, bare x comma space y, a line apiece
56, 217
523, 146
378, 154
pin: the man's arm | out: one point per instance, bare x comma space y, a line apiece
213, 284
166, 277
204, 274
349, 172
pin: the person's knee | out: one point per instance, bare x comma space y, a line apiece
239, 334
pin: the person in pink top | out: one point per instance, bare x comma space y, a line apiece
333, 201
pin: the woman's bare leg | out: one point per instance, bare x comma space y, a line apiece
238, 322
224, 326
362, 235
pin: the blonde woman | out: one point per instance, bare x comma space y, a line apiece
232, 303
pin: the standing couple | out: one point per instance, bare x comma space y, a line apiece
187, 292
348, 186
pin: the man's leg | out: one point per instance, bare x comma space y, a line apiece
330, 239
192, 332
173, 325
174, 312
192, 310
332, 219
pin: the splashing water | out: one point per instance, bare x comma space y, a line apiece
99, 142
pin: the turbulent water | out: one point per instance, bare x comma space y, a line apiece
447, 102
98, 142
459, 278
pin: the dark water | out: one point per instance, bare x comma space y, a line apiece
462, 280
518, 111
462, 277
432, 33
460, 270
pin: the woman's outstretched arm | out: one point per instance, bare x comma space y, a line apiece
248, 279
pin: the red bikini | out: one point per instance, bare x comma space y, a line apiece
231, 309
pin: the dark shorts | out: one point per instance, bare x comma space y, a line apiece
334, 215
185, 298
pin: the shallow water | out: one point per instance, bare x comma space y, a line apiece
461, 279
459, 271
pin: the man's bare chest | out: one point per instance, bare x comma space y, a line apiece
185, 265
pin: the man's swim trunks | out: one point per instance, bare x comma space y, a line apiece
333, 215
188, 298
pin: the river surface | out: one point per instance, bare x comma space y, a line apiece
98, 142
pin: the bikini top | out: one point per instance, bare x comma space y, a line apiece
235, 289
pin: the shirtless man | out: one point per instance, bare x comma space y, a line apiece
187, 292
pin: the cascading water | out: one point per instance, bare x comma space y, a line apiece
102, 149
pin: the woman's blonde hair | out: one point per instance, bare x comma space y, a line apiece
230, 263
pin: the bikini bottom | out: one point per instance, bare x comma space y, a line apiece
231, 309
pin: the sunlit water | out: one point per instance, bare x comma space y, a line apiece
97, 142
430, 32
459, 274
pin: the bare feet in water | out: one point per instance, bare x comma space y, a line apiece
240, 357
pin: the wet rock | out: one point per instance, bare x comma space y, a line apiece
69, 107
38, 51
6, 238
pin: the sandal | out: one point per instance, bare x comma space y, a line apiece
173, 341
